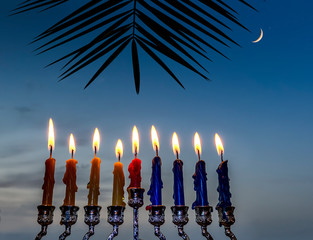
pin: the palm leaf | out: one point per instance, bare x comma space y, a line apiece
184, 31
36, 4
136, 68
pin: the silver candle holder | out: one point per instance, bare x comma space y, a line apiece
180, 219
115, 218
68, 218
226, 219
45, 218
204, 219
135, 201
92, 218
157, 219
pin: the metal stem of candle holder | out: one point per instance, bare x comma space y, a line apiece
115, 218
157, 218
180, 219
45, 218
204, 219
68, 218
226, 219
92, 218
135, 201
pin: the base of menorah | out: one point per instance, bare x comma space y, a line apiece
180, 219
135, 201
226, 219
68, 218
204, 219
157, 219
115, 218
45, 218
92, 218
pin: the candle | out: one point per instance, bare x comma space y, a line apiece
69, 178
93, 184
49, 171
134, 167
223, 180
156, 185
118, 179
179, 197
200, 177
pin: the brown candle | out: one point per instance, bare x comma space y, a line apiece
94, 182
69, 178
48, 182
49, 171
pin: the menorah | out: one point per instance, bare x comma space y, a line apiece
136, 200
156, 210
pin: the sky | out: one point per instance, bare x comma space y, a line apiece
259, 102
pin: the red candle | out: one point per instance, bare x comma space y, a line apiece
134, 170
134, 167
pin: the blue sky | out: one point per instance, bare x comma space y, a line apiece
259, 102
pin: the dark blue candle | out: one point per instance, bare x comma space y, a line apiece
200, 185
223, 185
179, 197
156, 186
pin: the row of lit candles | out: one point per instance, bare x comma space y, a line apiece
134, 173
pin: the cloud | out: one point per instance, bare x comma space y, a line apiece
16, 236
25, 180
17, 149
23, 109
83, 166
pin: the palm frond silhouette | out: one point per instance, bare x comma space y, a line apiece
181, 30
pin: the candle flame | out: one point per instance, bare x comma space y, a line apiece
96, 140
197, 143
175, 144
135, 140
119, 149
155, 139
51, 135
72, 146
219, 144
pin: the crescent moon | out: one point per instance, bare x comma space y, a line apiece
260, 38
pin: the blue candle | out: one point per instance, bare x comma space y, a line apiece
200, 185
156, 186
223, 185
223, 180
179, 197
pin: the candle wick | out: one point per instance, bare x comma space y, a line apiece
199, 155
95, 151
50, 151
72, 154
222, 157
157, 151
177, 155
119, 157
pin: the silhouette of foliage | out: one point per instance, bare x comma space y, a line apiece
181, 30
37, 4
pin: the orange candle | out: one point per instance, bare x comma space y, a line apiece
93, 184
119, 178
49, 172
69, 178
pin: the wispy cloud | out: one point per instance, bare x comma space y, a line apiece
23, 109
24, 180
